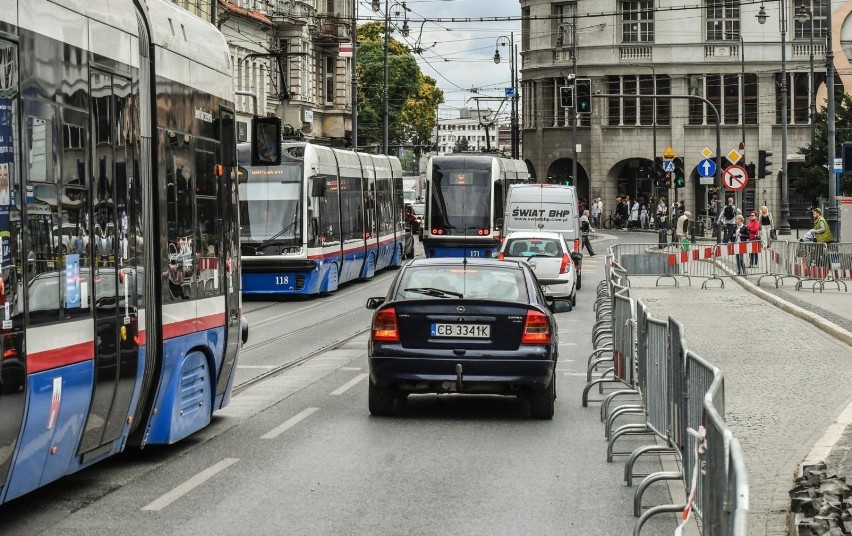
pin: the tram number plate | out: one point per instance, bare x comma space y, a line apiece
473, 331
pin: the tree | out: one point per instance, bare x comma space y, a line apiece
461, 145
412, 97
812, 182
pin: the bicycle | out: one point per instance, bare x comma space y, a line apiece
609, 222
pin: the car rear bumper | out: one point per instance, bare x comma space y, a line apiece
555, 288
478, 375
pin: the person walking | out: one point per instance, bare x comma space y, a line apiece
753, 234
584, 232
739, 235
728, 218
633, 222
643, 216
822, 232
767, 226
682, 230
622, 212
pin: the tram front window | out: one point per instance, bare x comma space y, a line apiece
270, 207
461, 200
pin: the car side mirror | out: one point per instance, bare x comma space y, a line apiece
375, 302
559, 306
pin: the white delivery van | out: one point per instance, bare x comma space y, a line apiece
545, 207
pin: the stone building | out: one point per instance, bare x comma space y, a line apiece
471, 124
715, 49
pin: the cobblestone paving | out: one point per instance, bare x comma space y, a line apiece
785, 381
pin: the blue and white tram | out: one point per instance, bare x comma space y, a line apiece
465, 200
119, 263
323, 217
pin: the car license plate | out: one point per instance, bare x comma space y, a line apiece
473, 331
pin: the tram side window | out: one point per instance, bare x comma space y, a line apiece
330, 220
73, 241
351, 208
179, 217
207, 234
384, 207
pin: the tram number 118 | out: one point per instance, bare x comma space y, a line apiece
282, 280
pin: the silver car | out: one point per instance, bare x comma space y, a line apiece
550, 258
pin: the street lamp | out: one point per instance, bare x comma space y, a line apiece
510, 40
784, 227
804, 15
404, 32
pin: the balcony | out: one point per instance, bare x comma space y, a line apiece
803, 50
331, 29
633, 53
723, 52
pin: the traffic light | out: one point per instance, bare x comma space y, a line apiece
846, 156
679, 178
668, 182
750, 169
658, 174
569, 181
584, 95
764, 164
566, 96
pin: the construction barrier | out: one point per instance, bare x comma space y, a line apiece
680, 395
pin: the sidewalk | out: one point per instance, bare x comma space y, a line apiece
787, 375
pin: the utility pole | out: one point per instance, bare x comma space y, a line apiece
354, 75
831, 209
574, 114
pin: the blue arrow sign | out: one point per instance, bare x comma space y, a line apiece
707, 168
668, 166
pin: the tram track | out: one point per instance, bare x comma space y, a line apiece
296, 362
299, 331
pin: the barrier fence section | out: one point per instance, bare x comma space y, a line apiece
680, 395
810, 264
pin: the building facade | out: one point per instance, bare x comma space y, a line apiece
471, 125
714, 49
286, 53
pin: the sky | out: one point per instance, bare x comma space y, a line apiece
458, 55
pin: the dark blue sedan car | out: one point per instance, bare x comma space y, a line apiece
453, 325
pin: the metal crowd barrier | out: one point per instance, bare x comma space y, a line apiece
681, 396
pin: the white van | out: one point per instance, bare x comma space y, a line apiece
545, 207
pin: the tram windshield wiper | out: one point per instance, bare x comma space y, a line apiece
263, 245
436, 292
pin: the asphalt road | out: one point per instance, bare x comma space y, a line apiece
298, 453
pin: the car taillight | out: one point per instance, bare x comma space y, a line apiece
566, 263
384, 326
576, 244
536, 329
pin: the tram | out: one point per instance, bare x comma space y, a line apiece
465, 200
320, 219
119, 265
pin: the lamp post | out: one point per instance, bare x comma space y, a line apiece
784, 226
804, 15
354, 75
510, 40
404, 32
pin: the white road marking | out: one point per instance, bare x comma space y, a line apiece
567, 344
190, 485
289, 423
350, 368
349, 385
583, 374
255, 366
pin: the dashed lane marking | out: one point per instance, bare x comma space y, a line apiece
349, 385
289, 423
190, 485
265, 367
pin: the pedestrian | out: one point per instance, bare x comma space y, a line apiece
682, 229
633, 221
753, 234
595, 211
822, 232
739, 235
620, 215
728, 218
584, 232
767, 226
662, 212
681, 207
643, 216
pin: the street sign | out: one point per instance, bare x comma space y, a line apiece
509, 92
706, 152
668, 154
734, 156
707, 168
706, 181
668, 166
735, 178
838, 165
345, 50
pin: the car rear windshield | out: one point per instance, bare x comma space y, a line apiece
531, 247
471, 282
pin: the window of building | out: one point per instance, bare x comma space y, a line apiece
733, 96
637, 21
723, 19
525, 28
798, 97
639, 110
329, 79
817, 29
562, 17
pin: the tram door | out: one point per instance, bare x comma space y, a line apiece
113, 245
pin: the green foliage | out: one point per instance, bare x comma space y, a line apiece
812, 181
413, 98
461, 145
